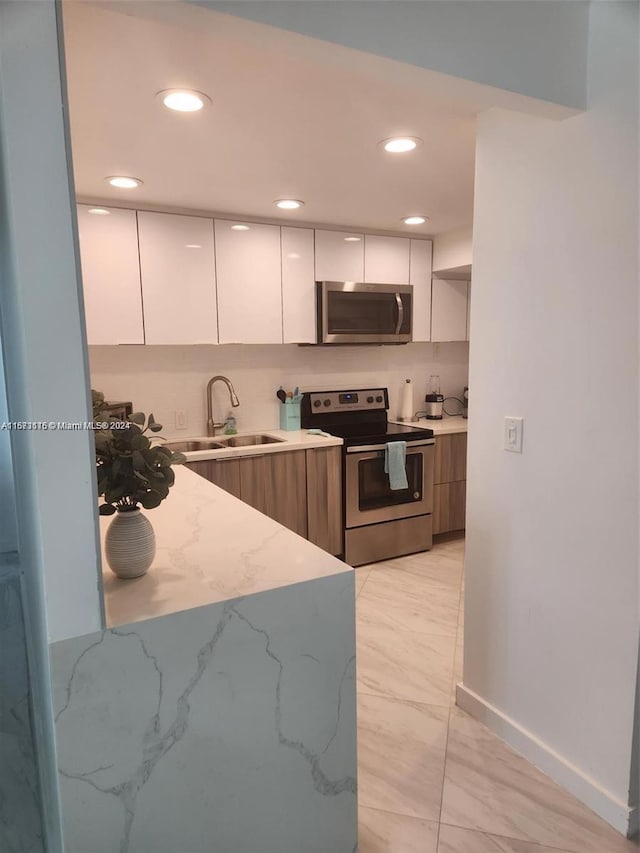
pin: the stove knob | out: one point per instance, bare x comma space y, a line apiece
327, 402
369, 399
317, 403
378, 399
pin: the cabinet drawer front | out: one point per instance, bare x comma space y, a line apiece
450, 458
449, 503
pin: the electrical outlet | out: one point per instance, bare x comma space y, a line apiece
513, 434
180, 417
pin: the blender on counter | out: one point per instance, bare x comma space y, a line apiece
434, 400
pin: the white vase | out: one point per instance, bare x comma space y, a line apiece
130, 544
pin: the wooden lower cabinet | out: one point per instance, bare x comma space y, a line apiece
285, 479
223, 472
450, 482
324, 498
449, 500
274, 483
252, 482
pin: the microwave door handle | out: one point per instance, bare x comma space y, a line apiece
400, 313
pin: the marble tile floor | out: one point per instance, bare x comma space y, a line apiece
431, 778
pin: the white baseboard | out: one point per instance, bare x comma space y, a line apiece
616, 813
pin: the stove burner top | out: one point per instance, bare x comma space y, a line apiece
357, 416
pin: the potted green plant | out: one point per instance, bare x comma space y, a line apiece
132, 473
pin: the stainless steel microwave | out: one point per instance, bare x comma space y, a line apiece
351, 312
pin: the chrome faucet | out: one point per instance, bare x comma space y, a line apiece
211, 425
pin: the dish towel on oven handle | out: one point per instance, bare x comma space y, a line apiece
395, 464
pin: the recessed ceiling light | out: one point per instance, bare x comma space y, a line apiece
123, 182
240, 228
183, 100
288, 203
192, 246
400, 144
415, 220
99, 211
352, 239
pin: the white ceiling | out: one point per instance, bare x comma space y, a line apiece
291, 117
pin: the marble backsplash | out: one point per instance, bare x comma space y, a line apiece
227, 728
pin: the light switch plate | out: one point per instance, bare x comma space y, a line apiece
180, 419
513, 434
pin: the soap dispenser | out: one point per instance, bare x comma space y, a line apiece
230, 425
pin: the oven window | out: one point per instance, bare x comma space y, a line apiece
374, 491
366, 313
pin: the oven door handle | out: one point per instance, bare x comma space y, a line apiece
369, 448
400, 313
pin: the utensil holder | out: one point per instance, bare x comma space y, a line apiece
290, 416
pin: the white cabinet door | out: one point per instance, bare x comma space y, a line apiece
420, 278
449, 310
110, 275
386, 260
298, 286
339, 256
178, 279
249, 283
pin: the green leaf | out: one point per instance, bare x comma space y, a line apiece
178, 459
106, 509
137, 418
151, 500
155, 427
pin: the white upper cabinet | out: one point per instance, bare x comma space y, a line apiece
449, 310
420, 278
110, 275
339, 256
386, 260
178, 279
298, 286
249, 274
468, 312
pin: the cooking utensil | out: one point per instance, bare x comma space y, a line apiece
280, 394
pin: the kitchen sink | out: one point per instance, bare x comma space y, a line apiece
188, 446
249, 440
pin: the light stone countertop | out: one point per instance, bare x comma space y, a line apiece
448, 424
211, 547
290, 440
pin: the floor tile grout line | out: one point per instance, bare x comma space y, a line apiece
489, 834
406, 701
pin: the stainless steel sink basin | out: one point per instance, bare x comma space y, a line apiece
249, 440
188, 446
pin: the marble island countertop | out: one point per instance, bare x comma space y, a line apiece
211, 547
288, 440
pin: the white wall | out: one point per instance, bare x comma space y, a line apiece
166, 379
536, 49
43, 324
453, 249
8, 531
551, 623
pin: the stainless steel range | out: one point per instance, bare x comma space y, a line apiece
379, 522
